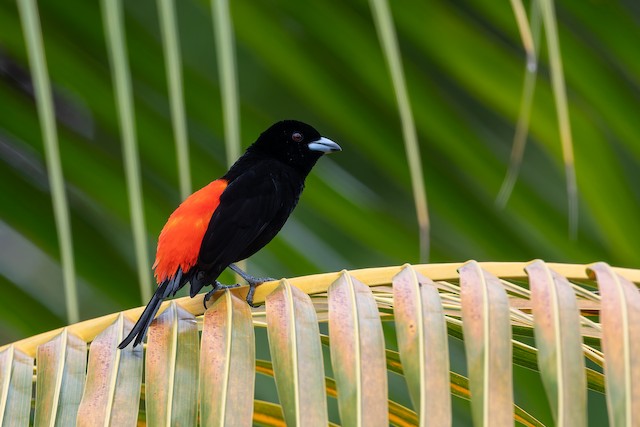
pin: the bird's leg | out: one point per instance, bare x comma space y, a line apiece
252, 281
217, 287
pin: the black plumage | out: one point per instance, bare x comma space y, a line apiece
262, 188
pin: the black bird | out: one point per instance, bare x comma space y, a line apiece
234, 216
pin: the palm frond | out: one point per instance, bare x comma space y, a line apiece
493, 307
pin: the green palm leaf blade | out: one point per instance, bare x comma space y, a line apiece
42, 89
357, 353
422, 340
296, 351
389, 44
620, 320
112, 389
559, 342
227, 363
16, 375
113, 17
62, 363
547, 9
487, 341
171, 369
173, 61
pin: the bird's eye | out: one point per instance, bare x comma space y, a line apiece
297, 137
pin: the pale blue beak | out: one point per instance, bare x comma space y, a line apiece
324, 145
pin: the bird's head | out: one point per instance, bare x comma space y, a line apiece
294, 143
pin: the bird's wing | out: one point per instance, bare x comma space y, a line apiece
252, 206
181, 237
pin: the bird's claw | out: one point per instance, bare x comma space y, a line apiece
252, 290
249, 299
252, 281
217, 287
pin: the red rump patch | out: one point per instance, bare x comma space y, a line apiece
180, 239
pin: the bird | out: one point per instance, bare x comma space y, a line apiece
233, 217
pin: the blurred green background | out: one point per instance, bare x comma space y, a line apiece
320, 62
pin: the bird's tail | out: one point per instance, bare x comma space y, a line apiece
139, 330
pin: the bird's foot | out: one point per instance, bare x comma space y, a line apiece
217, 287
249, 278
252, 290
252, 281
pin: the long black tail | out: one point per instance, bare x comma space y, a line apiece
165, 289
